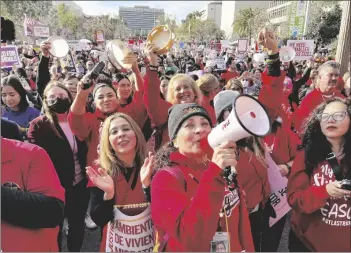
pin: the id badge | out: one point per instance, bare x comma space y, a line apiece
220, 242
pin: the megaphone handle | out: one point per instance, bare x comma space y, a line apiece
230, 177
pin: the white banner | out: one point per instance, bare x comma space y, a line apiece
278, 197
303, 48
41, 31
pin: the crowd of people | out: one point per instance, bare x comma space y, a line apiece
128, 154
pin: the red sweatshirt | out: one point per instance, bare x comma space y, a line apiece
30, 167
157, 108
190, 217
283, 145
253, 179
229, 75
87, 127
308, 104
321, 222
209, 108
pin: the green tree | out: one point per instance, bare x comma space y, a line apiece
168, 21
324, 24
250, 21
68, 21
15, 10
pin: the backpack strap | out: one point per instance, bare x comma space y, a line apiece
162, 237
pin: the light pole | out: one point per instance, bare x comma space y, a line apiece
343, 49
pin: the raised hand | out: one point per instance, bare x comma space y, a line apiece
146, 170
267, 39
150, 52
102, 180
44, 47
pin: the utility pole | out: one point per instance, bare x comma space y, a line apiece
343, 49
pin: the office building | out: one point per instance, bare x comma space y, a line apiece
290, 17
213, 11
230, 11
140, 19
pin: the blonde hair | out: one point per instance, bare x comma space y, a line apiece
207, 83
108, 159
234, 82
179, 78
49, 114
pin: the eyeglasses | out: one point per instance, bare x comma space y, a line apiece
337, 116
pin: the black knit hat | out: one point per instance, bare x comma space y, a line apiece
101, 85
178, 113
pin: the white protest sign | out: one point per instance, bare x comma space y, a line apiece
41, 31
303, 48
278, 194
220, 62
242, 46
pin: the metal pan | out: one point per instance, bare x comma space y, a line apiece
59, 46
116, 51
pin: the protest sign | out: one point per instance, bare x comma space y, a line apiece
99, 36
303, 48
242, 46
28, 25
220, 62
41, 31
9, 57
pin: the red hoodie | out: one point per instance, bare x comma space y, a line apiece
190, 216
229, 75
30, 167
322, 223
308, 104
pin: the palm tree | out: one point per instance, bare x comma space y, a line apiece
244, 25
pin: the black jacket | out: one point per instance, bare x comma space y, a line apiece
41, 133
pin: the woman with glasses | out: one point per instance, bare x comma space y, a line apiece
321, 205
68, 154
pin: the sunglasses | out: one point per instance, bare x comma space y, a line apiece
337, 116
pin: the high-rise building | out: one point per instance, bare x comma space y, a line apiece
140, 19
230, 11
290, 17
213, 11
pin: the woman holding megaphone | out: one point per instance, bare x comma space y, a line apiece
192, 207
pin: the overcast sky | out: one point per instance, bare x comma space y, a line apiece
177, 8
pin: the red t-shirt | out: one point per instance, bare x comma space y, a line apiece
30, 167
229, 75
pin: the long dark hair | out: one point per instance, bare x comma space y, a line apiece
16, 84
315, 143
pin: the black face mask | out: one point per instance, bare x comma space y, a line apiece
60, 105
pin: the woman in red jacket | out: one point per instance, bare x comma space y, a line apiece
251, 169
32, 199
120, 205
192, 207
321, 207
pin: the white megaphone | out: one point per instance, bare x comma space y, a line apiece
248, 118
286, 54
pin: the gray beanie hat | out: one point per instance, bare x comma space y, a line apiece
178, 113
224, 99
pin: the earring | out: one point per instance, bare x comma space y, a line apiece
175, 144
